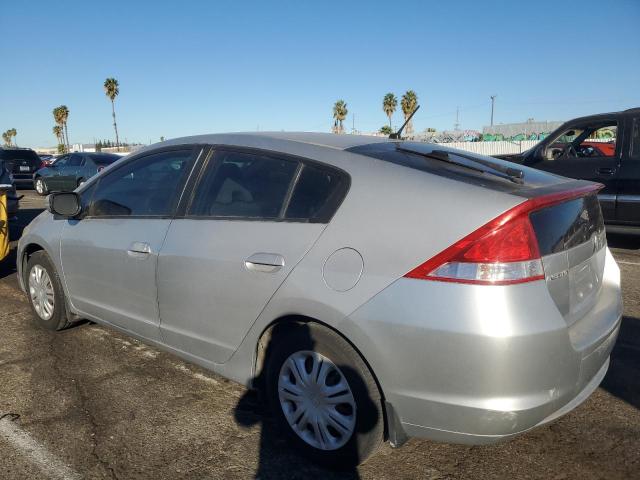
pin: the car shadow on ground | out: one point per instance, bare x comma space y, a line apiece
624, 241
623, 377
278, 457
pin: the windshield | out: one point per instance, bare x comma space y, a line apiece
19, 155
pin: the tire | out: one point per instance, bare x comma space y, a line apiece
42, 287
40, 187
338, 363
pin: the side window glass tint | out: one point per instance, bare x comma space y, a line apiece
148, 186
244, 185
75, 161
317, 194
635, 139
62, 161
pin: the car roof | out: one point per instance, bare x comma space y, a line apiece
328, 140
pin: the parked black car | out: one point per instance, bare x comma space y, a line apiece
603, 148
71, 170
7, 179
21, 163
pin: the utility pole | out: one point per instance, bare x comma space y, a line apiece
493, 101
353, 123
456, 126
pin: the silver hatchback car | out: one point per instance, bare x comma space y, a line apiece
372, 289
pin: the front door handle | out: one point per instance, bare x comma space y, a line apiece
606, 170
264, 262
137, 249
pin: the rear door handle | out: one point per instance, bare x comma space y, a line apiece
264, 262
606, 170
139, 248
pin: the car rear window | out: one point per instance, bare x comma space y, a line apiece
568, 224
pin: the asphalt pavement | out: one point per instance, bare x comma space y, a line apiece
91, 403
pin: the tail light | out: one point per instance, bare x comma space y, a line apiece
502, 252
42, 165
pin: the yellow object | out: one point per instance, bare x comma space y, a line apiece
4, 226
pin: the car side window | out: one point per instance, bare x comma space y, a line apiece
62, 161
317, 194
598, 140
635, 139
244, 185
146, 186
76, 160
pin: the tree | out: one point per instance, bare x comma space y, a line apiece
339, 115
12, 133
389, 104
7, 138
409, 103
61, 116
386, 130
111, 90
57, 131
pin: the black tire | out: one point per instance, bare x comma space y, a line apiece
45, 190
368, 434
59, 318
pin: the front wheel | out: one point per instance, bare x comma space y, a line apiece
324, 396
40, 186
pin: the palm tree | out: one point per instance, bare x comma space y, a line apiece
57, 131
111, 90
409, 103
389, 104
386, 130
61, 115
12, 133
339, 114
7, 138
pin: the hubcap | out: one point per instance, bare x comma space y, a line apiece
316, 400
41, 292
39, 186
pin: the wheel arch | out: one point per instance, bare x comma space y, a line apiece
291, 320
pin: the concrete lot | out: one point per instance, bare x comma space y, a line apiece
91, 403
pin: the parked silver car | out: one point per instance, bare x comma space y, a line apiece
374, 289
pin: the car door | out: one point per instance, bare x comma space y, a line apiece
253, 217
589, 151
109, 256
628, 206
54, 171
68, 174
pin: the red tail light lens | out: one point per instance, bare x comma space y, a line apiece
502, 252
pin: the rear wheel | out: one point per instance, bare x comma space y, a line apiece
324, 396
46, 296
40, 186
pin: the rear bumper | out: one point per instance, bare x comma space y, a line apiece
476, 364
23, 179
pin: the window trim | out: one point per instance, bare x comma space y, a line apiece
633, 120
195, 149
302, 162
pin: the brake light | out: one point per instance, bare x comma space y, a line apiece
502, 252
42, 165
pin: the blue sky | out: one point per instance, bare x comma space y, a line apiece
195, 67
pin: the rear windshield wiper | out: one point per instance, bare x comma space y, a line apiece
512, 174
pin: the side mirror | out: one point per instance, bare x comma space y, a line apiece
64, 204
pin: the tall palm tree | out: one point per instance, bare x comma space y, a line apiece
64, 116
60, 116
389, 104
339, 114
57, 131
409, 103
111, 90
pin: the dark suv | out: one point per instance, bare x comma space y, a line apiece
22, 163
603, 148
7, 179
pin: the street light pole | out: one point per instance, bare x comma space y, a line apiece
493, 101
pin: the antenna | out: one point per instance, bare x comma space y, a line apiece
396, 136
